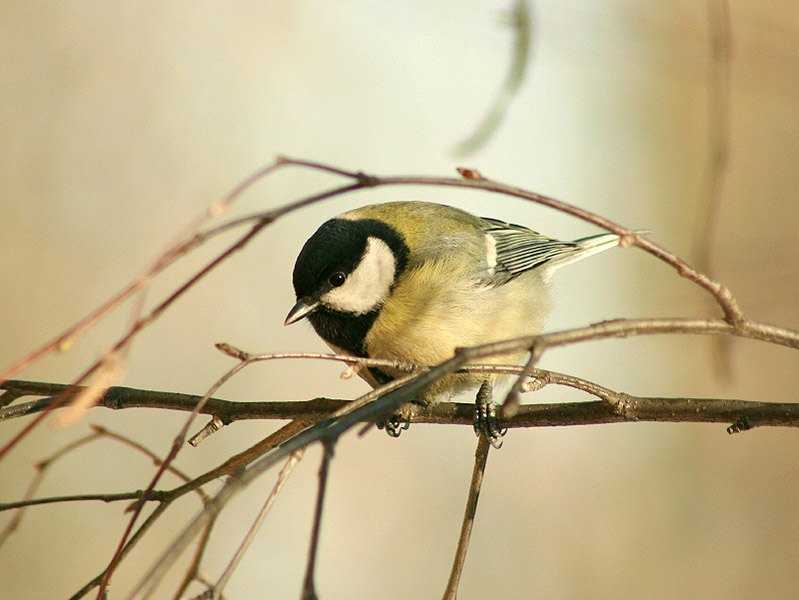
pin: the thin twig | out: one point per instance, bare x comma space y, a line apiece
194, 567
177, 444
480, 459
512, 399
282, 477
134, 539
176, 248
41, 467
149, 453
138, 495
308, 588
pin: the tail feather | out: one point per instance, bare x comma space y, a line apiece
585, 247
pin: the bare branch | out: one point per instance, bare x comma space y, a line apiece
308, 588
115, 497
41, 468
45, 464
282, 477
480, 459
675, 409
194, 568
134, 539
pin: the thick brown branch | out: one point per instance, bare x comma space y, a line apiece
617, 407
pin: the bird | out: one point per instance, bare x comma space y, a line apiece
411, 281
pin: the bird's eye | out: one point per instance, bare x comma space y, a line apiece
336, 279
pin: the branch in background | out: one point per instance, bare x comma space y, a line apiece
719, 100
44, 465
718, 128
292, 462
521, 22
134, 539
193, 572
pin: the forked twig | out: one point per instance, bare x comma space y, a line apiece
41, 468
43, 465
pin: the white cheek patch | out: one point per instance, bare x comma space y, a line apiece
368, 285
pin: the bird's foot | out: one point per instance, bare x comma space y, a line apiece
485, 416
393, 425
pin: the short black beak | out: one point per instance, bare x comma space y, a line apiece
301, 310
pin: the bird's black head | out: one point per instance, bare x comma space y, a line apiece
343, 275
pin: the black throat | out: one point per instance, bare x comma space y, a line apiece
343, 330
347, 332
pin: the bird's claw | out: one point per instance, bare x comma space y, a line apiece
393, 425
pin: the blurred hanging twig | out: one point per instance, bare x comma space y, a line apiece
719, 98
521, 22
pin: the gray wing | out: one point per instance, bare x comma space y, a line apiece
519, 249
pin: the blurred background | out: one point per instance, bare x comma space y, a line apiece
120, 122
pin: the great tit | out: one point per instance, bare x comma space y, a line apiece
412, 281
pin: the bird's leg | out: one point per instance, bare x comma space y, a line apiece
485, 416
